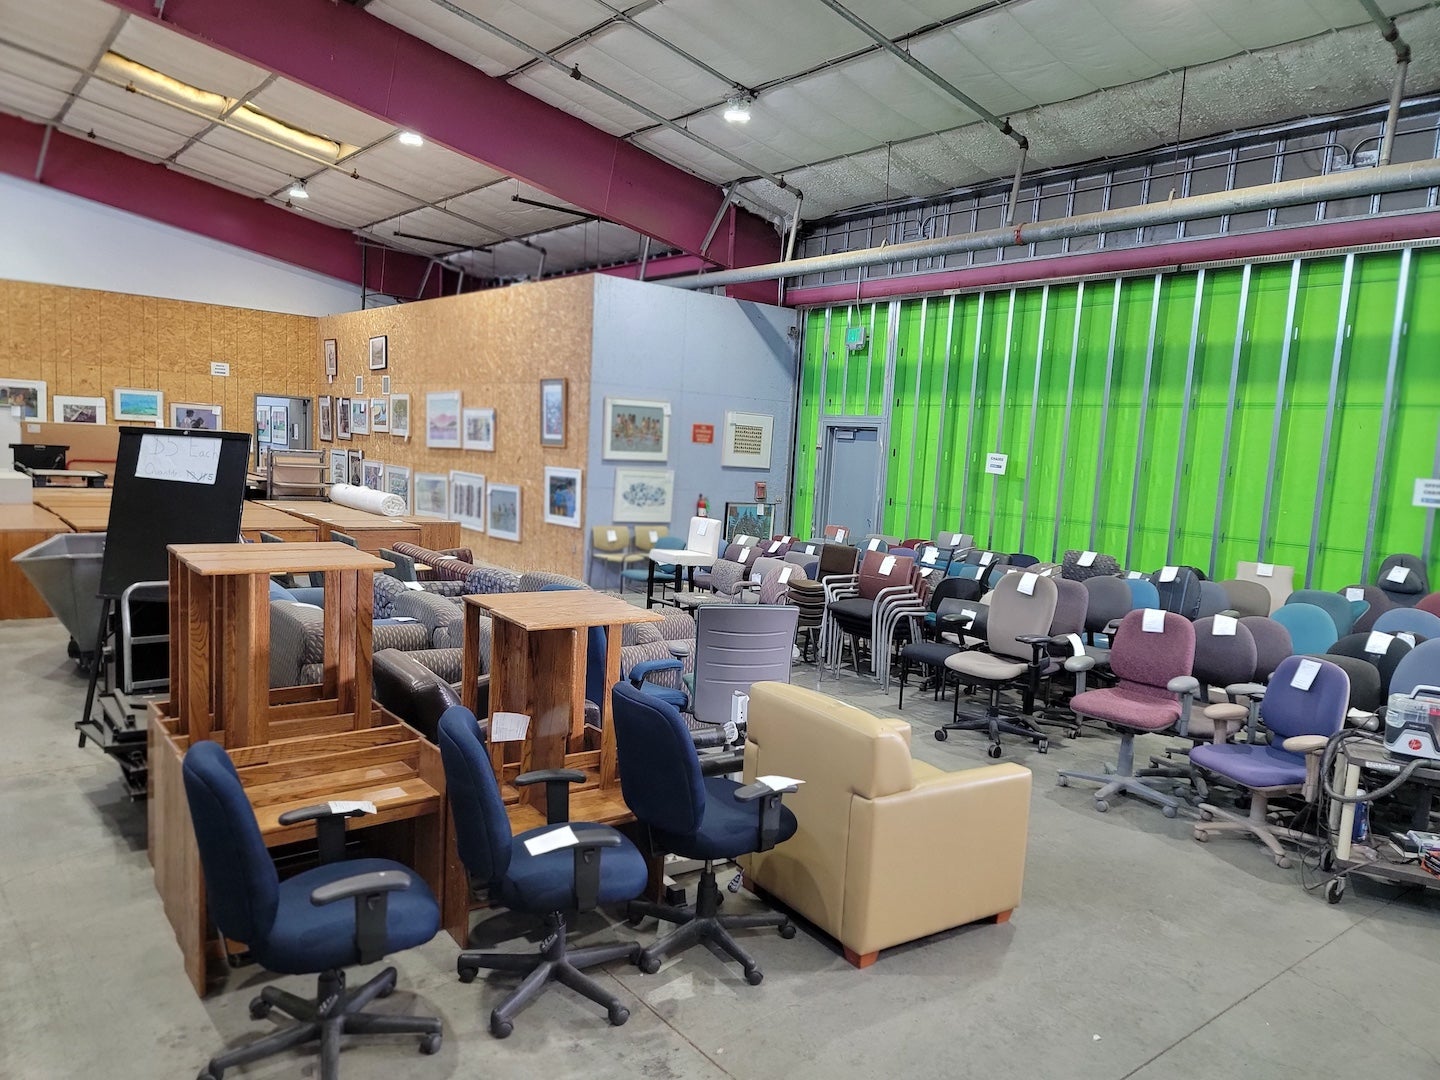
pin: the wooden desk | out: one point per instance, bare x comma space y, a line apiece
86, 510
371, 531
22, 526
537, 667
65, 478
256, 518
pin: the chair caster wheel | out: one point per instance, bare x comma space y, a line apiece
466, 973
648, 964
993, 751
1202, 836
1206, 815
259, 1008
430, 1044
618, 1015
1282, 861
1334, 890
1108, 769
634, 920
753, 976
1327, 860
501, 1029
209, 1074
941, 734
1043, 747
1169, 811
1101, 806
787, 930
1062, 780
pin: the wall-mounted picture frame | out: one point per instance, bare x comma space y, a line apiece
342, 418
552, 412
339, 467
478, 430
562, 496
332, 358
184, 414
385, 384
432, 491
359, 384
400, 415
142, 406
327, 418
372, 474
379, 415
70, 409
749, 519
467, 500
747, 440
379, 352
360, 416
636, 430
397, 482
502, 511
644, 495
27, 395
442, 420
262, 424
280, 425
356, 468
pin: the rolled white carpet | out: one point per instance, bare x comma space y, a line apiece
359, 498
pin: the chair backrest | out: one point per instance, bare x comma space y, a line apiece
1023, 560
1272, 644
1072, 604
725, 575
1109, 598
482, 828
953, 540
732, 551
1277, 580
764, 564
270, 538
837, 559
809, 598
647, 536
1312, 629
874, 542
1342, 611
1098, 565
987, 559
745, 541
343, 538
1372, 595
1213, 599
1180, 593
1247, 597
1403, 620
402, 567
775, 583
655, 756
1320, 710
838, 533
610, 539
809, 563
736, 645
1153, 659
1222, 659
1419, 668
1430, 603
775, 547
882, 570
706, 534
1381, 651
1143, 593
1403, 579
1015, 613
242, 886
667, 543
954, 588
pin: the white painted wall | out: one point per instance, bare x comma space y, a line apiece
56, 238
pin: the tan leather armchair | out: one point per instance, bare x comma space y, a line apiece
889, 849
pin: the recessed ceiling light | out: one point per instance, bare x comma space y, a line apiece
409, 138
297, 190
737, 109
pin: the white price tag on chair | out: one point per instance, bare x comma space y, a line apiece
925, 571
654, 536
874, 544
1305, 673
840, 535
1153, 621
554, 840
508, 726
745, 554
1087, 558
1076, 644
929, 557
442, 558
1224, 626
778, 783
1408, 638
1354, 594
1134, 575
611, 536
775, 545
809, 549
350, 806
969, 617
1398, 574
1264, 569
886, 565
986, 557
785, 574
703, 526
1027, 584
1168, 573
1378, 643
413, 586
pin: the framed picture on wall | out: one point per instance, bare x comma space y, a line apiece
552, 412
147, 406
372, 474
644, 495
503, 511
327, 418
356, 463
385, 384
431, 494
360, 416
195, 417
379, 352
262, 423
467, 500
397, 482
400, 415
79, 410
379, 414
280, 425
342, 418
442, 420
27, 395
636, 430
749, 519
747, 440
562, 497
332, 358
339, 467
478, 432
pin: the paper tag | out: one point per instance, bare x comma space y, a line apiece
874, 545
1167, 573
1358, 714
611, 536
745, 554
654, 536
312, 607
1153, 621
554, 840
1087, 558
508, 726
1408, 638
986, 557
785, 574
775, 545
1305, 673
756, 575
1354, 594
1264, 569
969, 617
739, 707
401, 618
442, 558
926, 571
776, 783
809, 549
703, 528
413, 586
886, 565
929, 557
1134, 575
1224, 626
731, 732
840, 535
350, 806
1377, 643
1027, 584
1077, 645
1398, 573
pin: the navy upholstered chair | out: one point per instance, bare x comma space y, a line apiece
695, 817
601, 868
342, 913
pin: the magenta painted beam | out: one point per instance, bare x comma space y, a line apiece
95, 172
338, 50
1294, 240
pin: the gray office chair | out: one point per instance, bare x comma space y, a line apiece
402, 567
343, 538
736, 646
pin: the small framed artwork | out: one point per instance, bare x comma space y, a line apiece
431, 494
339, 467
360, 416
195, 417
636, 430
327, 418
79, 410
552, 412
385, 384
562, 497
379, 414
644, 495
467, 500
502, 511
280, 425
372, 474
332, 358
747, 440
262, 423
397, 482
379, 352
442, 420
355, 472
147, 406
479, 429
342, 418
400, 415
749, 519
27, 395
359, 384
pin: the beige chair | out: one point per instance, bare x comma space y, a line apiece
1279, 581
889, 849
610, 546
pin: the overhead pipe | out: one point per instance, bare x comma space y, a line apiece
1344, 185
1390, 33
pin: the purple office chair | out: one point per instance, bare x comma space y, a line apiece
1301, 722
1153, 694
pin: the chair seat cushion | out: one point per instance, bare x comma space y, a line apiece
668, 694
986, 666
306, 939
853, 611
929, 653
544, 883
1255, 766
1144, 708
729, 827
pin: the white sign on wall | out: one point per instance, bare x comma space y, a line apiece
995, 463
217, 368
747, 440
1427, 494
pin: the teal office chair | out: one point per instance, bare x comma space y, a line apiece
664, 572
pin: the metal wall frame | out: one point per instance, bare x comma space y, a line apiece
1187, 403
1291, 333
1034, 414
1337, 362
1065, 429
940, 427
1144, 419
1105, 409
1240, 341
1387, 411
1000, 419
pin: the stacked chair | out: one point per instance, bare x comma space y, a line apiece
855, 604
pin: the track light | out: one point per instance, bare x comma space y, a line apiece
297, 190
737, 109
409, 138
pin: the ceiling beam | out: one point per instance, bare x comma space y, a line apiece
339, 51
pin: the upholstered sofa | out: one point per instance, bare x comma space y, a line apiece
889, 849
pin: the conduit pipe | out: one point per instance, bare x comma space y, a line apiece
1391, 34
1344, 185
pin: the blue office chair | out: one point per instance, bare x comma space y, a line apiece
1312, 629
298, 927
1143, 593
574, 878
664, 572
1406, 620
696, 817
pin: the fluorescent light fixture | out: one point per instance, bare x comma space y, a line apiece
409, 138
297, 190
737, 109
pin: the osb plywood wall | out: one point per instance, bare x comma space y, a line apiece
494, 347
86, 343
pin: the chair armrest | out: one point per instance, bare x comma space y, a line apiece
315, 813
589, 842
1245, 689
1183, 684
1083, 662
371, 906
643, 670
680, 649
1305, 744
377, 881
769, 810
557, 790
329, 828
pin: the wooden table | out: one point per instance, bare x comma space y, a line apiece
22, 526
89, 478
256, 518
537, 667
371, 531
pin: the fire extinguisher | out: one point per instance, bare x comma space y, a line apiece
702, 508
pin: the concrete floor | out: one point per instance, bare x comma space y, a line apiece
1136, 953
